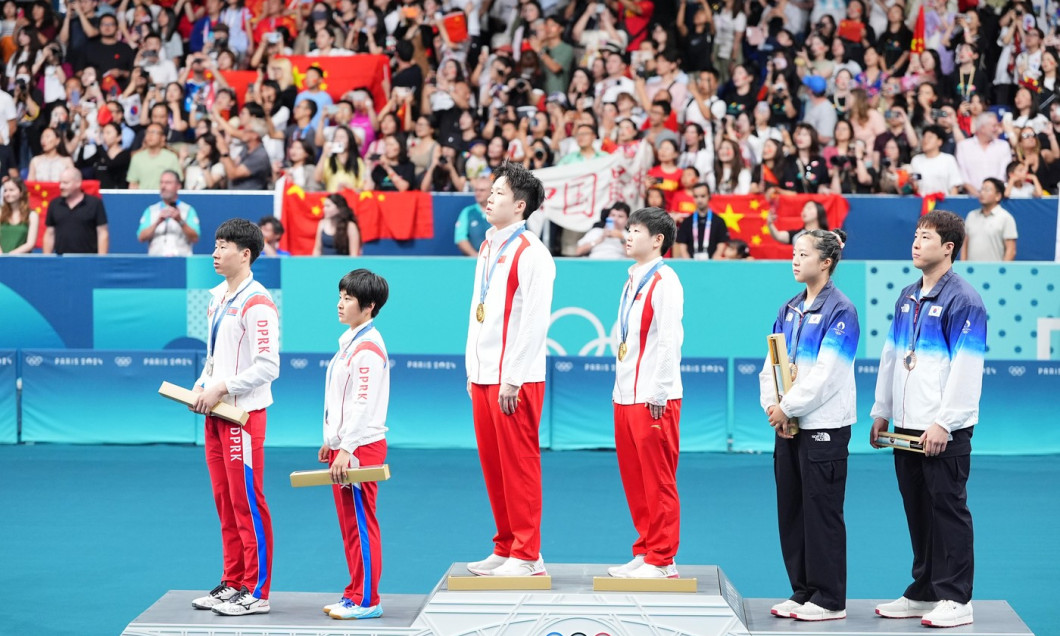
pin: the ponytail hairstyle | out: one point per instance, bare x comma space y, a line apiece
830, 244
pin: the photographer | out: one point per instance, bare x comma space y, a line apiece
54, 71
443, 175
850, 171
1018, 32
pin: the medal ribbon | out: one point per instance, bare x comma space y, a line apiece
327, 375
793, 345
623, 314
216, 324
916, 323
487, 276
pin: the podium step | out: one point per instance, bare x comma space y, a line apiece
571, 606
293, 614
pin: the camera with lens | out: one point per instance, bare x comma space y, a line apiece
938, 113
539, 154
886, 163
840, 161
443, 160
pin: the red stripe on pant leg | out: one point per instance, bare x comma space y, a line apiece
370, 455
631, 471
235, 468
520, 459
215, 440
658, 447
485, 411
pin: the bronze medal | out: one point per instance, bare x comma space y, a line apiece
622, 351
480, 312
909, 361
794, 369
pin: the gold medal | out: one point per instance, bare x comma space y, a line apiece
909, 361
622, 351
794, 369
480, 312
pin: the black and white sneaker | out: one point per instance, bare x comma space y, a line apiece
217, 595
242, 603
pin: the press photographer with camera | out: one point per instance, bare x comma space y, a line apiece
849, 167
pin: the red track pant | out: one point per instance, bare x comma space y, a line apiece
647, 459
235, 456
360, 528
511, 464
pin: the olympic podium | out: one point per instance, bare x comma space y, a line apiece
569, 607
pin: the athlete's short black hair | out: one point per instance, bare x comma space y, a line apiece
523, 184
948, 226
244, 234
367, 287
658, 222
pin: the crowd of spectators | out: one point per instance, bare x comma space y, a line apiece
744, 96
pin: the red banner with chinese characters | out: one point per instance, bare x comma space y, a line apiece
344, 73
380, 215
747, 218
42, 193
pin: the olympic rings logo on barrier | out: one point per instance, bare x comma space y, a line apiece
299, 363
1017, 372
123, 361
564, 366
597, 346
746, 369
34, 361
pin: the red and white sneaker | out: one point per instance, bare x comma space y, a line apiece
948, 614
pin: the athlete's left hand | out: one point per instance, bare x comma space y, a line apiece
935, 440
209, 398
508, 396
656, 410
779, 421
339, 466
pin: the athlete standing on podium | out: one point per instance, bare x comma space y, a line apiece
929, 383
505, 357
243, 358
356, 398
820, 326
647, 396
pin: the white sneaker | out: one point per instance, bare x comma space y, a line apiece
487, 565
217, 595
649, 571
784, 610
905, 608
619, 571
518, 567
348, 610
334, 606
948, 614
814, 612
241, 604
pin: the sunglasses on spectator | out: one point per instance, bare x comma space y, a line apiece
1027, 135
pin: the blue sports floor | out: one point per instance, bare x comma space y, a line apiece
92, 535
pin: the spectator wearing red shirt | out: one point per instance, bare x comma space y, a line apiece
636, 16
666, 175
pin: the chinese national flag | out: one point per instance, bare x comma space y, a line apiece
344, 73
917, 45
746, 217
390, 215
929, 201
42, 193
239, 81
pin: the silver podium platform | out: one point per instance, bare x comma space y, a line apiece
571, 606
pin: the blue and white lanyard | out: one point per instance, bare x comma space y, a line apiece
704, 238
487, 276
625, 311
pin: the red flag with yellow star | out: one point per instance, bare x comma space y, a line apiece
380, 215
344, 73
42, 193
917, 44
747, 218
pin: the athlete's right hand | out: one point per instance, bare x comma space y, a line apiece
194, 389
879, 425
324, 454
